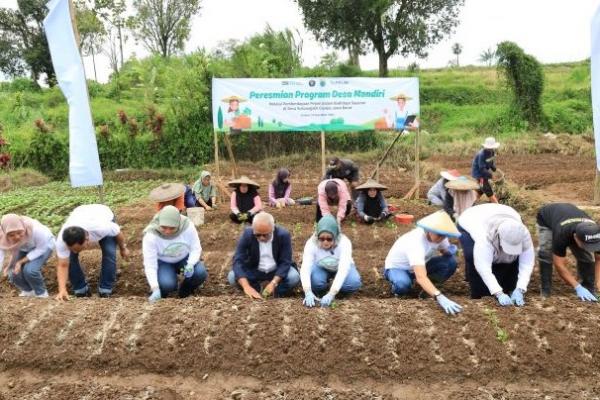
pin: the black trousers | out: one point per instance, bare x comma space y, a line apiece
320, 214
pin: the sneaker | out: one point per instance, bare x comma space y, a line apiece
43, 295
104, 295
27, 293
87, 293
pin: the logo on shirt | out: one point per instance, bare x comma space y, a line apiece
175, 250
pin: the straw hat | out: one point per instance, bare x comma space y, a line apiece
462, 183
371, 184
243, 180
233, 98
439, 222
490, 143
167, 191
401, 96
450, 174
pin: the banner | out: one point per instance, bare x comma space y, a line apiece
314, 104
84, 163
595, 65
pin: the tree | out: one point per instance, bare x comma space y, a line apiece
488, 57
456, 50
92, 32
524, 76
23, 44
163, 26
389, 27
114, 13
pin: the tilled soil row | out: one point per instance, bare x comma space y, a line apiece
280, 339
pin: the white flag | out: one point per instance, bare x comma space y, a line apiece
84, 162
595, 64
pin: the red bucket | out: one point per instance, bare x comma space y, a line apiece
405, 219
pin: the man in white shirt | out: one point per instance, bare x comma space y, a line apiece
499, 253
414, 256
88, 224
264, 254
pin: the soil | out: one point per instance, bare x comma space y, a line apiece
220, 345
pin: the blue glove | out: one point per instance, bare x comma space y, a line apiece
327, 300
452, 249
584, 294
517, 297
155, 296
309, 299
448, 305
188, 271
504, 299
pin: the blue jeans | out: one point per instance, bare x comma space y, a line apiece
255, 277
30, 277
320, 277
167, 277
439, 270
108, 272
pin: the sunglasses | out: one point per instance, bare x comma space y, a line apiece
262, 235
325, 239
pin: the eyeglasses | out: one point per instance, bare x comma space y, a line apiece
262, 235
325, 239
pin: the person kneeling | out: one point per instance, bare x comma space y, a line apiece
328, 255
171, 245
412, 258
370, 204
245, 201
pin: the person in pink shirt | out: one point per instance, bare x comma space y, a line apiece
280, 190
245, 200
333, 192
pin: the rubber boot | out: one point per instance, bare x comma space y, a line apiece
587, 275
546, 278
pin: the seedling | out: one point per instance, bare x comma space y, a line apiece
501, 333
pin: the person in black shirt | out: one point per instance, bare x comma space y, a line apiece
563, 225
344, 169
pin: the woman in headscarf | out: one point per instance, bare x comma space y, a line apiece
328, 256
171, 245
205, 192
245, 200
280, 190
169, 194
370, 204
29, 245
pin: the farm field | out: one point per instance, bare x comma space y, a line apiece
218, 344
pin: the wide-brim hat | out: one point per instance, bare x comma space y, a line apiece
490, 143
462, 183
439, 222
401, 96
232, 98
450, 174
167, 192
243, 180
371, 184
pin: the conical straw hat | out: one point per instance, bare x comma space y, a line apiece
371, 184
401, 96
439, 222
167, 191
232, 98
462, 183
243, 180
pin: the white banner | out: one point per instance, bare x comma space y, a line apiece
314, 104
595, 65
84, 163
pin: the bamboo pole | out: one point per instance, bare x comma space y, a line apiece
322, 153
375, 173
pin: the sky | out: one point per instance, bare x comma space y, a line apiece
551, 30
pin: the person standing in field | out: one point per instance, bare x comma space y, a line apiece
483, 165
499, 254
328, 256
87, 225
29, 245
343, 169
280, 190
414, 257
171, 246
561, 226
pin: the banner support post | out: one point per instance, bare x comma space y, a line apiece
216, 140
417, 162
322, 152
597, 188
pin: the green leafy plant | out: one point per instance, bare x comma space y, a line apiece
501, 333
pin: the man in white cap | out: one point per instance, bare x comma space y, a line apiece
483, 165
563, 225
414, 257
499, 254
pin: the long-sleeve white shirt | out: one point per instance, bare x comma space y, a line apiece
473, 220
40, 242
413, 249
171, 250
95, 219
315, 256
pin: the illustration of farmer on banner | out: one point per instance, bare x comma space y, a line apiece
400, 119
235, 119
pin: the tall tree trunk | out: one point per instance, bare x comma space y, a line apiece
353, 56
121, 44
94, 63
383, 64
